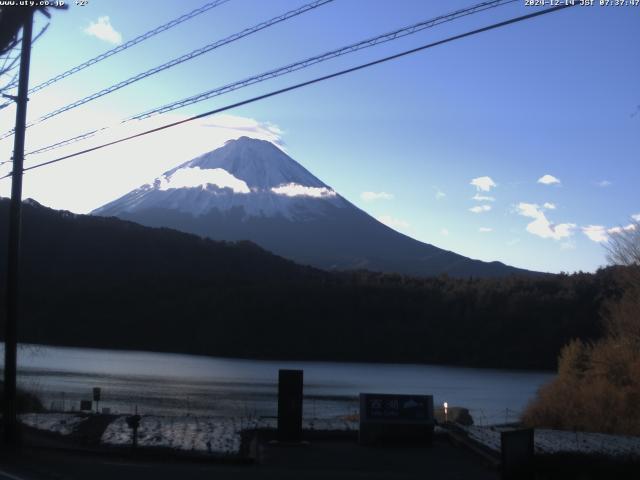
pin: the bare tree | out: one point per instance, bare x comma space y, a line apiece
623, 247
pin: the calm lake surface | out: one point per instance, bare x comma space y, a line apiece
175, 384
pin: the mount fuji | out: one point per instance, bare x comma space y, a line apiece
251, 190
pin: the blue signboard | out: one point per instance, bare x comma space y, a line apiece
385, 417
398, 407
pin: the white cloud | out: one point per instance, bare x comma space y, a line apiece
483, 198
440, 194
372, 196
444, 232
480, 208
103, 30
604, 183
636, 217
527, 209
548, 180
485, 229
392, 222
541, 226
513, 242
191, 177
568, 245
596, 233
297, 190
483, 184
549, 206
626, 228
600, 233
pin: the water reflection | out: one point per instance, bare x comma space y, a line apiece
168, 384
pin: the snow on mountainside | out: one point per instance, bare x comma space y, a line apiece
251, 190
254, 175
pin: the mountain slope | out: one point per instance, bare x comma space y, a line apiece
250, 190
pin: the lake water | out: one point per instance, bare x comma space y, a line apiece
172, 384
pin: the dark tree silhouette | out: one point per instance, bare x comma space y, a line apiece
12, 19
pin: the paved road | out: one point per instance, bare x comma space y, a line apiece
319, 460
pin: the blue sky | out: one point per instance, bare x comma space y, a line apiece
404, 141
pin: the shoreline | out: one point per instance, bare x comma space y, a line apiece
318, 360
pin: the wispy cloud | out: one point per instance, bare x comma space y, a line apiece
549, 180
485, 229
103, 30
439, 194
238, 126
264, 130
483, 198
636, 217
373, 196
480, 208
444, 232
568, 245
395, 223
541, 226
604, 183
483, 184
549, 206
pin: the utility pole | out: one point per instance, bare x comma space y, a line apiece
10, 421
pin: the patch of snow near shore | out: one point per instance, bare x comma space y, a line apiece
556, 441
62, 423
189, 433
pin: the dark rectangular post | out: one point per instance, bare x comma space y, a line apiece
290, 405
517, 448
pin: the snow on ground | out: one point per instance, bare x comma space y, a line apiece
552, 441
329, 424
222, 435
556, 441
62, 423
181, 433
219, 435
216, 435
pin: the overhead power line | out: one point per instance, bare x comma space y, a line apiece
386, 37
178, 60
303, 84
140, 38
402, 32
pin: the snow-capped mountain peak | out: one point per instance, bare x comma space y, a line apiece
254, 175
259, 163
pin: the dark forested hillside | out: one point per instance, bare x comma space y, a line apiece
103, 282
